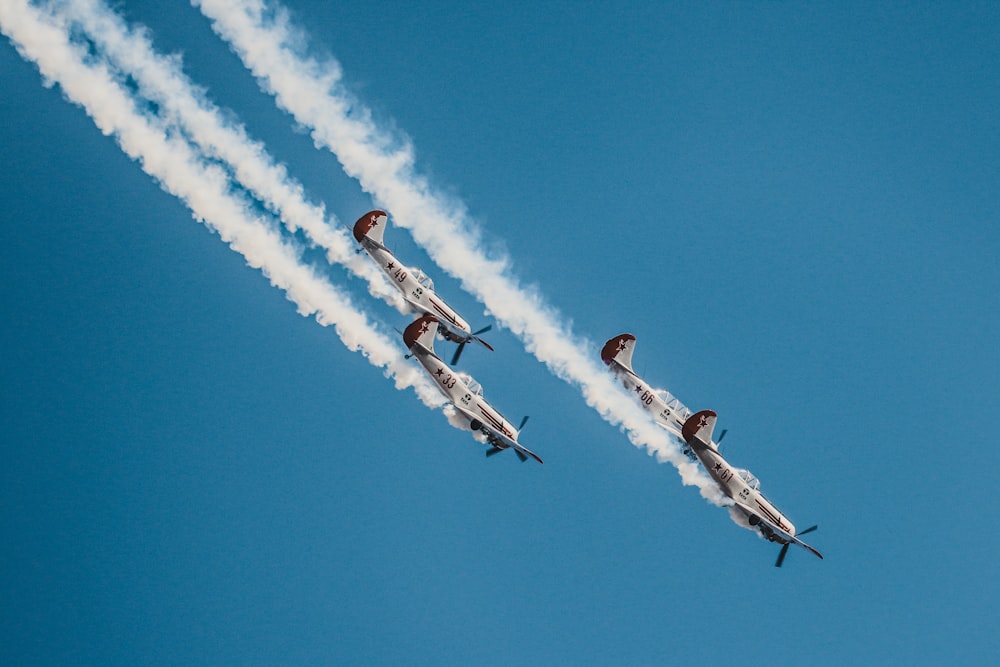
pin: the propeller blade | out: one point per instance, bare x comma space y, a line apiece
523, 422
807, 530
491, 452
475, 336
781, 556
458, 353
521, 455
722, 434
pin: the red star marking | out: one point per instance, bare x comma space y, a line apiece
423, 329
621, 344
703, 422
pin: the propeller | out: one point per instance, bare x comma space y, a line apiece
781, 555
521, 455
722, 434
784, 549
461, 346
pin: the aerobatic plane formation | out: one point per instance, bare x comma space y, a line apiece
417, 288
439, 319
463, 391
695, 430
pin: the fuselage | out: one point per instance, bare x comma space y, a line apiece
467, 399
743, 487
736, 483
668, 413
418, 292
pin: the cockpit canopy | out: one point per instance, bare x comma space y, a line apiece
672, 403
748, 477
422, 278
471, 383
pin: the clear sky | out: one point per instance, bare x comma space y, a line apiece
793, 207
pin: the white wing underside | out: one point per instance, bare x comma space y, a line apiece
788, 537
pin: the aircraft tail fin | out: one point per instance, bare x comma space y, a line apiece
421, 333
619, 350
371, 226
699, 426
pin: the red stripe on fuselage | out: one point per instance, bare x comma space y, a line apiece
775, 520
444, 313
497, 422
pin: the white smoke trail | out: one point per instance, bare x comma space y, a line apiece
204, 188
312, 92
162, 80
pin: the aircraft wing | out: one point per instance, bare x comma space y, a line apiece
746, 509
371, 243
466, 412
806, 546
522, 450
498, 439
749, 511
502, 441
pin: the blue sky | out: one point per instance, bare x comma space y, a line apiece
792, 208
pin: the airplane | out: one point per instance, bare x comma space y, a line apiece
417, 288
463, 391
696, 430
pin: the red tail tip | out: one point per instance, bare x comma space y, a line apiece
366, 222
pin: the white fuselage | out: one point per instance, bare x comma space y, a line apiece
420, 297
466, 400
671, 415
750, 501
